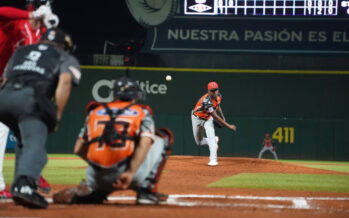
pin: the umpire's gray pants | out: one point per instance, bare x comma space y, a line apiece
101, 179
18, 112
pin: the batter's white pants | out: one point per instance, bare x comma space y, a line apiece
201, 125
4, 131
264, 149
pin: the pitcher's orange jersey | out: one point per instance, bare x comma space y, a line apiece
130, 124
206, 105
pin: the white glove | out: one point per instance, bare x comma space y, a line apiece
51, 21
41, 12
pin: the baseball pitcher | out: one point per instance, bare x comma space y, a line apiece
206, 110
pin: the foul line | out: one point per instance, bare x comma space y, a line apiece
187, 200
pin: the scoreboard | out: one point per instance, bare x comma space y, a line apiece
277, 8
256, 26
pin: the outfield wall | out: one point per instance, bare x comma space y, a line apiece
305, 111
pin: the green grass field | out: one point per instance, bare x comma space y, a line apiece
304, 182
60, 169
69, 169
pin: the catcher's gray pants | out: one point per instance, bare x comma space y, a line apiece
17, 108
264, 149
101, 179
201, 125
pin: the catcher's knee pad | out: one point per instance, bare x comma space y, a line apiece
167, 134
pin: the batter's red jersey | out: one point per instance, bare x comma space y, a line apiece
15, 31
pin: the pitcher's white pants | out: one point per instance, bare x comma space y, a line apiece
4, 131
201, 125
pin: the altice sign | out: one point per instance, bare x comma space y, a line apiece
146, 86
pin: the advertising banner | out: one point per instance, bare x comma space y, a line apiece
251, 34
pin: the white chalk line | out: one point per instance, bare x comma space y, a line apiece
183, 200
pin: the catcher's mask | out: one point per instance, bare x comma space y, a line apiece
126, 89
31, 5
60, 38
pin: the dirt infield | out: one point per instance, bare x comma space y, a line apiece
186, 178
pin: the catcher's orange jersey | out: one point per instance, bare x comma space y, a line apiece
206, 105
127, 124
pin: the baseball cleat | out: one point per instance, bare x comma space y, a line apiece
28, 197
44, 186
146, 197
5, 194
24, 193
162, 197
212, 163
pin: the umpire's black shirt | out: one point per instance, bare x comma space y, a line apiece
40, 65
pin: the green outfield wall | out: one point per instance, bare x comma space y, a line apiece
306, 112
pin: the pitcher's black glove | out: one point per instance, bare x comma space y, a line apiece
217, 124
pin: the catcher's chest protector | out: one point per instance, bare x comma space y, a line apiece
127, 126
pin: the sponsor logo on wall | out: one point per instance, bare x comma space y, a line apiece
148, 87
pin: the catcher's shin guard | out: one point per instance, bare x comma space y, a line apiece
168, 135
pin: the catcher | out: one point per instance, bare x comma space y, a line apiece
122, 148
206, 111
268, 145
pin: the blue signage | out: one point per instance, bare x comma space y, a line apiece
11, 140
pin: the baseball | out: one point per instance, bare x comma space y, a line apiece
168, 77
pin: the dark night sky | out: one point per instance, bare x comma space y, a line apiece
92, 22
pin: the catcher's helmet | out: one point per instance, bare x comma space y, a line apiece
126, 89
60, 38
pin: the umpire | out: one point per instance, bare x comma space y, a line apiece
35, 74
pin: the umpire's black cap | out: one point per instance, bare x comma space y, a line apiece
60, 37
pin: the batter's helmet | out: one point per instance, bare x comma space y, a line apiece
34, 4
126, 89
267, 135
212, 85
60, 38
